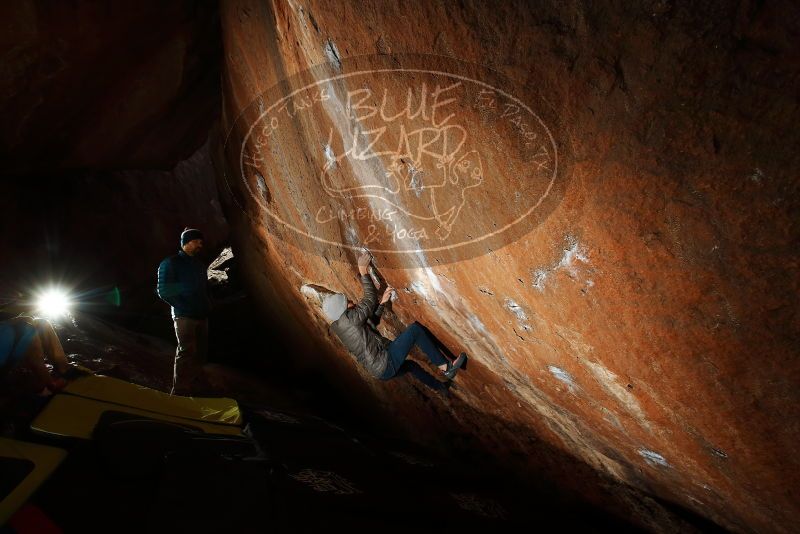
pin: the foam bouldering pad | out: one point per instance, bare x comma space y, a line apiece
76, 417
113, 390
24, 466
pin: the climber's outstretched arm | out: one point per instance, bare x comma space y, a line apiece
366, 306
387, 295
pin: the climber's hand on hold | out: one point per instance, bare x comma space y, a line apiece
363, 263
387, 294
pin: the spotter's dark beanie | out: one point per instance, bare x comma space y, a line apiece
190, 234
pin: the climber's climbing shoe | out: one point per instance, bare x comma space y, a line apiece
452, 368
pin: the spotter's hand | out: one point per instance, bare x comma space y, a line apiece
363, 263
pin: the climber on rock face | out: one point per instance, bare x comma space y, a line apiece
182, 283
354, 325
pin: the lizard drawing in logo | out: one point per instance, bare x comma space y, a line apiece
426, 176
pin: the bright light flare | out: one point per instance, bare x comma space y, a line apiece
53, 303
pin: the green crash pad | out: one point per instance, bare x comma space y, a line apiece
116, 391
27, 465
76, 417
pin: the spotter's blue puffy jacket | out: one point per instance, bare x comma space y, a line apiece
183, 284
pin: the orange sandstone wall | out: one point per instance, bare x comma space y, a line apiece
599, 205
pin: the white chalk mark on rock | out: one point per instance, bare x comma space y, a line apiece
516, 309
564, 377
415, 183
329, 156
611, 385
539, 276
261, 184
572, 255
653, 458
332, 53
352, 237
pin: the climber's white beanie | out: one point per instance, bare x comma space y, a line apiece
334, 306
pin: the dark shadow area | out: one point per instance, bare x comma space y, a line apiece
142, 474
414, 370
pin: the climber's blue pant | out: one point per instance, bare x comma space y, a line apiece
399, 348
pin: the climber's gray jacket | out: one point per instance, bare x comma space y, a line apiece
356, 331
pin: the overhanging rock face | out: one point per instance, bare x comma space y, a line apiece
596, 204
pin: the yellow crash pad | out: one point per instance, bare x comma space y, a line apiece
76, 417
113, 390
44, 459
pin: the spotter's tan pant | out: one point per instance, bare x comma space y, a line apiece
191, 354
